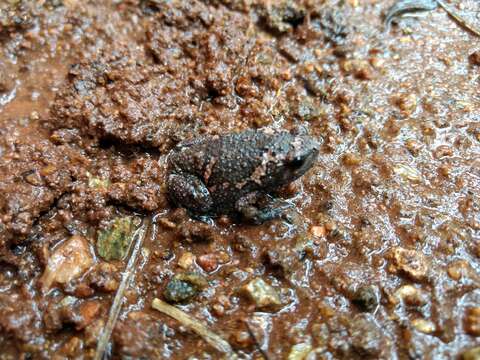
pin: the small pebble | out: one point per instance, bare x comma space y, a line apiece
407, 103
186, 260
218, 309
409, 295
242, 339
208, 262
475, 58
318, 231
410, 262
445, 170
424, 326
456, 269
351, 159
472, 321
413, 146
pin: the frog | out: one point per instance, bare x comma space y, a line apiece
237, 173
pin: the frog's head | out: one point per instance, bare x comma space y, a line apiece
301, 156
295, 155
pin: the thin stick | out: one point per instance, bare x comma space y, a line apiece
210, 337
257, 343
138, 238
459, 19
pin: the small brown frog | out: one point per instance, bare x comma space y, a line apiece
235, 173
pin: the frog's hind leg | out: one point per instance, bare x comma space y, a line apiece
190, 192
257, 207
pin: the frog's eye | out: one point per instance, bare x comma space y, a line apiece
297, 162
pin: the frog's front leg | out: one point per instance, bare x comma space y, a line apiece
257, 207
190, 192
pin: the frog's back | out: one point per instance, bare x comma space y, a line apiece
236, 156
